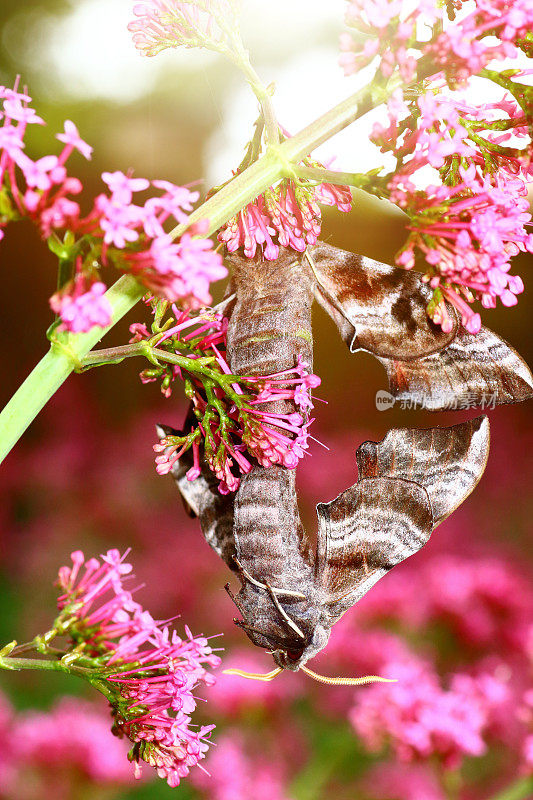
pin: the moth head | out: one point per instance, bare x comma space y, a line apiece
297, 653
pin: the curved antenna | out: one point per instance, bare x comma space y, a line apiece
254, 676
346, 681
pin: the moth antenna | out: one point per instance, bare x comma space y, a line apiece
312, 264
290, 622
254, 676
287, 592
346, 681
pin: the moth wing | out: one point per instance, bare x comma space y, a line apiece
203, 500
446, 462
363, 533
473, 370
382, 309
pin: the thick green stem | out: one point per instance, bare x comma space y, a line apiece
63, 357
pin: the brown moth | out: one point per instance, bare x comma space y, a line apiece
291, 596
382, 309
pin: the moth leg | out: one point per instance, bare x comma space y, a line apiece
290, 622
243, 573
234, 598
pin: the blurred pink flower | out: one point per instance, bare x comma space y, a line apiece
73, 735
71, 137
391, 781
82, 305
234, 775
420, 719
487, 602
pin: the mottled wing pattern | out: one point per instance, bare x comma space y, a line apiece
481, 370
202, 498
446, 462
408, 484
382, 309
385, 307
363, 533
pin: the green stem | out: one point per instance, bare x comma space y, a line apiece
358, 179
521, 790
195, 366
264, 99
7, 662
56, 366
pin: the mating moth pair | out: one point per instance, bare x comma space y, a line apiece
292, 594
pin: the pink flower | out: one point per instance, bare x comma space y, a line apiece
233, 774
169, 23
289, 213
150, 672
419, 718
122, 187
252, 428
38, 174
72, 139
15, 108
11, 140
180, 270
73, 735
464, 48
468, 234
82, 308
118, 221
389, 781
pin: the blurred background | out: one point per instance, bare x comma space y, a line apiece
83, 475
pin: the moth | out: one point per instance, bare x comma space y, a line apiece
291, 594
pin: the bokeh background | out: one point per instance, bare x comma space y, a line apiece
83, 475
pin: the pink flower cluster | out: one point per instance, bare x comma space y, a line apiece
82, 305
286, 215
236, 775
491, 31
232, 417
74, 734
149, 672
484, 602
468, 234
391, 780
477, 605
264, 431
169, 23
116, 230
394, 29
70, 742
421, 719
468, 228
391, 27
